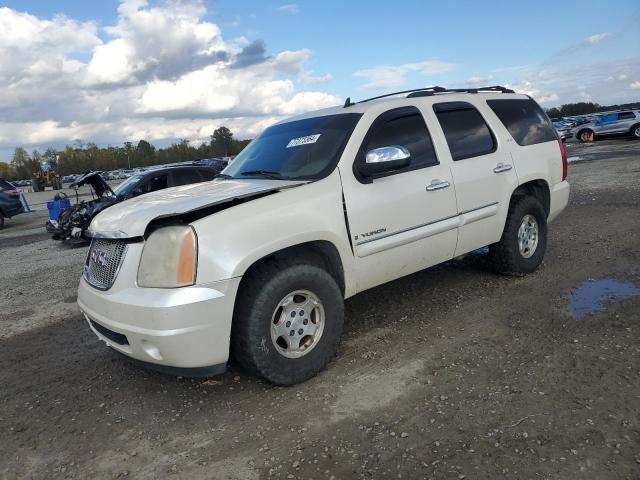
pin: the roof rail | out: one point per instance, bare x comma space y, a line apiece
428, 91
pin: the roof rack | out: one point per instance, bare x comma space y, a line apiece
428, 91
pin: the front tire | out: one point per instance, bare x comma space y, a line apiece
635, 131
524, 239
1, 221
287, 321
585, 134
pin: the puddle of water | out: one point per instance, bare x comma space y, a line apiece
592, 295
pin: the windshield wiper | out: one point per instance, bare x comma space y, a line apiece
265, 173
222, 175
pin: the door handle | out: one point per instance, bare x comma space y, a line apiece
502, 167
437, 185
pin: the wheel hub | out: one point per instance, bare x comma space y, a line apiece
528, 236
297, 324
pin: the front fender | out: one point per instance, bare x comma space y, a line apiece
232, 240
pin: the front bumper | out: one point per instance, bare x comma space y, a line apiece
185, 328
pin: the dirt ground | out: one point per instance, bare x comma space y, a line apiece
451, 373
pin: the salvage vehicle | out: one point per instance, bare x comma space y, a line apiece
610, 123
257, 263
564, 130
73, 222
10, 204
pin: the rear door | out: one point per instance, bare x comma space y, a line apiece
405, 220
483, 174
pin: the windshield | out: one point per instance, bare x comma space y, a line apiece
125, 188
300, 150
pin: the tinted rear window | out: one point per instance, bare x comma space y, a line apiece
467, 133
525, 120
4, 185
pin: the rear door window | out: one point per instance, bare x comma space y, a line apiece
466, 131
525, 120
184, 176
207, 174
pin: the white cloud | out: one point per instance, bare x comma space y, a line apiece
387, 76
635, 85
480, 81
601, 82
593, 39
292, 8
162, 73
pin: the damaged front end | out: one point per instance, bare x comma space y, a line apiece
73, 222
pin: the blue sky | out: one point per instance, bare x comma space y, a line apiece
112, 71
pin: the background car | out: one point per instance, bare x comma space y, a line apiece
218, 164
10, 204
74, 221
563, 129
609, 123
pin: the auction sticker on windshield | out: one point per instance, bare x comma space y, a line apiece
294, 142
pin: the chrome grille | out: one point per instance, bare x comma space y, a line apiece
103, 262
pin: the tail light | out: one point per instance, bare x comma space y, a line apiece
563, 152
12, 193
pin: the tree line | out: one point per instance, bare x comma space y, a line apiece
585, 108
82, 157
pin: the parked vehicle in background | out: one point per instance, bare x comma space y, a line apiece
10, 204
73, 222
564, 130
316, 209
68, 178
609, 123
217, 163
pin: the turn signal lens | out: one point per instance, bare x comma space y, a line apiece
169, 258
187, 260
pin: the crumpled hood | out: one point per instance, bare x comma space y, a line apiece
96, 181
130, 218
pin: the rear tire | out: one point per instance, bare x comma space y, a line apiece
1, 221
259, 312
524, 239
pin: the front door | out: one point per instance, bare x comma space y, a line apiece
405, 220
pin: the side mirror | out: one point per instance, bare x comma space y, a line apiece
384, 159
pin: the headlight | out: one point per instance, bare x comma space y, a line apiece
169, 258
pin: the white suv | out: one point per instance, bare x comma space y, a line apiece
257, 263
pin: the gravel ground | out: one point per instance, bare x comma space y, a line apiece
453, 372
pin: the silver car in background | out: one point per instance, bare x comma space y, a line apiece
610, 123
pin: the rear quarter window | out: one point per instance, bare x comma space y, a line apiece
525, 120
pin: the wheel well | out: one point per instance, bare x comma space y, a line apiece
320, 252
538, 189
634, 126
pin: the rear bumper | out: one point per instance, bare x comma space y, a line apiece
559, 199
183, 328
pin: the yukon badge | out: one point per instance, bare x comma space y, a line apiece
371, 233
